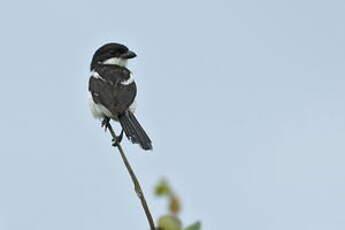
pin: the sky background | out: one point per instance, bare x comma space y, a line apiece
244, 102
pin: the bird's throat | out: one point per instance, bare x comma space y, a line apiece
116, 61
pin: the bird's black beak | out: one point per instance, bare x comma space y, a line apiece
129, 54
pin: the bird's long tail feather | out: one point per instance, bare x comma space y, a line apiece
134, 131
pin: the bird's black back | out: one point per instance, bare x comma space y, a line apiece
108, 90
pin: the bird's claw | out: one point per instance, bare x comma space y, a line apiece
105, 123
118, 139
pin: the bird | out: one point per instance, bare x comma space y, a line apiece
112, 92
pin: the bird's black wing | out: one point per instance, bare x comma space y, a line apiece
108, 88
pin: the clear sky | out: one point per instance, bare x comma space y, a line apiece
244, 101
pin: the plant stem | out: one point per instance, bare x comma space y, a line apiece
135, 181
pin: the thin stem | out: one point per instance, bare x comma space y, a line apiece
135, 181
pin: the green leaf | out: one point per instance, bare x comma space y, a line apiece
162, 188
195, 226
169, 222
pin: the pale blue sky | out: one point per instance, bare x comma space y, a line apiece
244, 101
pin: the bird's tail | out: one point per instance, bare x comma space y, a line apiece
134, 131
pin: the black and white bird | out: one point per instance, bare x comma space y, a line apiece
112, 92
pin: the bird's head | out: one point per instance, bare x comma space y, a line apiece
113, 54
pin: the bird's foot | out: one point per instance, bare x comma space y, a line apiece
118, 139
105, 123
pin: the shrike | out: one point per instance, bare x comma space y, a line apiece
112, 92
